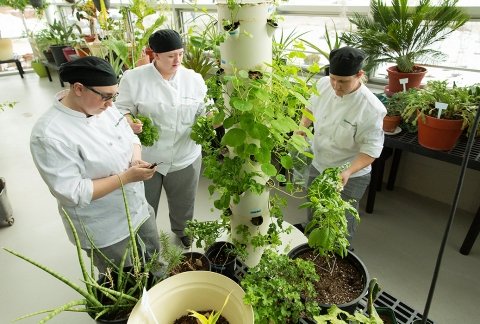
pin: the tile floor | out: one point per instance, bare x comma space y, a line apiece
399, 242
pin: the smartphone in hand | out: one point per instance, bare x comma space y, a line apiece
153, 165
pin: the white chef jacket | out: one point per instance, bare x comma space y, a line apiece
173, 105
345, 126
69, 150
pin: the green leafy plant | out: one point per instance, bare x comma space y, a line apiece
117, 293
117, 54
283, 47
85, 10
327, 231
259, 115
61, 33
281, 289
15, 4
204, 233
42, 40
196, 60
149, 134
403, 34
212, 317
171, 254
462, 102
142, 9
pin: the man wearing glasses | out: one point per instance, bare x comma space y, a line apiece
82, 148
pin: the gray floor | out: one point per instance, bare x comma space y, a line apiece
399, 242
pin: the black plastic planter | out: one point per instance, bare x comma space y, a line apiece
222, 258
356, 262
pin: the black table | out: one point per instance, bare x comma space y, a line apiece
50, 65
17, 63
408, 142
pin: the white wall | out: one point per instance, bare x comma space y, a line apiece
437, 180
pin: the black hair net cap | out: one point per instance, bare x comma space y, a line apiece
346, 61
165, 40
89, 71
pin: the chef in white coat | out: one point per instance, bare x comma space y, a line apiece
347, 127
83, 149
173, 97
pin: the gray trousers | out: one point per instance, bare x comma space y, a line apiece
147, 244
181, 188
354, 191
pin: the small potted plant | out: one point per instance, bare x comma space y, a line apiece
177, 260
373, 315
280, 289
395, 106
221, 254
442, 113
328, 244
61, 36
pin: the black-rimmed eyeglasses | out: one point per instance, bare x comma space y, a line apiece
105, 97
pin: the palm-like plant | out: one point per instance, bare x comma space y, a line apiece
402, 33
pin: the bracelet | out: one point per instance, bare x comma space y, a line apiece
120, 180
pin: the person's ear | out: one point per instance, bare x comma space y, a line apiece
77, 88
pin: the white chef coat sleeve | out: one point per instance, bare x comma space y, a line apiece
371, 136
61, 168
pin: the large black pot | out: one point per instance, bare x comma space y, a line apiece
351, 258
49, 56
57, 52
102, 280
222, 258
115, 321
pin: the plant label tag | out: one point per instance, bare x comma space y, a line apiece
440, 106
404, 82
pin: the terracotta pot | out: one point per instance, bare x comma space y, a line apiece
89, 38
390, 123
438, 134
149, 52
82, 51
414, 78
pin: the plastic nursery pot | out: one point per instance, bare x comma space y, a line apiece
222, 258
355, 261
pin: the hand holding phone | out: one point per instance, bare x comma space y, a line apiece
153, 165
